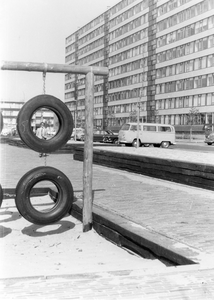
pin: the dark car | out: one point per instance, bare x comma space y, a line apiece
210, 139
110, 137
104, 136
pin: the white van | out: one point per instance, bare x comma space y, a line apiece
160, 135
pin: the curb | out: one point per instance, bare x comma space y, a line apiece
136, 238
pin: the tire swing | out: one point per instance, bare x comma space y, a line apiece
1, 195
65, 123
1, 122
63, 203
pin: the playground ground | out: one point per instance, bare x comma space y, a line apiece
59, 261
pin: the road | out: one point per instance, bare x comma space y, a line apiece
193, 147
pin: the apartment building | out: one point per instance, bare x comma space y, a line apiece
160, 56
10, 111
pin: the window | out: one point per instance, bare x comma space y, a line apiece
180, 51
179, 85
204, 24
189, 65
203, 99
198, 9
164, 128
186, 102
187, 49
203, 62
198, 45
189, 83
205, 43
197, 27
168, 54
197, 64
162, 103
195, 100
158, 89
173, 103
181, 102
181, 68
210, 99
210, 61
210, 79
197, 82
192, 11
211, 41
162, 86
204, 80
134, 128
149, 128
171, 70
210, 22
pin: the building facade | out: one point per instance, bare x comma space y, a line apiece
160, 56
10, 111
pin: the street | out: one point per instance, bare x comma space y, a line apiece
193, 146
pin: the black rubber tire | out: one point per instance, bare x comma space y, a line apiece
65, 124
134, 143
165, 144
1, 122
63, 202
1, 195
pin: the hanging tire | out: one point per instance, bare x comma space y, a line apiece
65, 124
1, 195
60, 208
1, 122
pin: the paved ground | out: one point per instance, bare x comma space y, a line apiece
168, 210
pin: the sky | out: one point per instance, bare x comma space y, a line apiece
35, 31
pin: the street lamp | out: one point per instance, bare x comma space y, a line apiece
138, 121
138, 115
75, 121
76, 99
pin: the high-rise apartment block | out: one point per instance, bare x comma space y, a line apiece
160, 56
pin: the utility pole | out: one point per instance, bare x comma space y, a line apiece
139, 106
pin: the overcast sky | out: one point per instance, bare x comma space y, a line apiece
35, 31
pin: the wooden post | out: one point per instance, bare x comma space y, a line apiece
88, 153
51, 68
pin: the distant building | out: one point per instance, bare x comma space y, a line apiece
10, 111
159, 53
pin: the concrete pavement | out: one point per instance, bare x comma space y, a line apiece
178, 216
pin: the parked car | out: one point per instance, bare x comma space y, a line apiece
104, 136
210, 139
110, 137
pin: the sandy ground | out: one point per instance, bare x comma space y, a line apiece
59, 249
